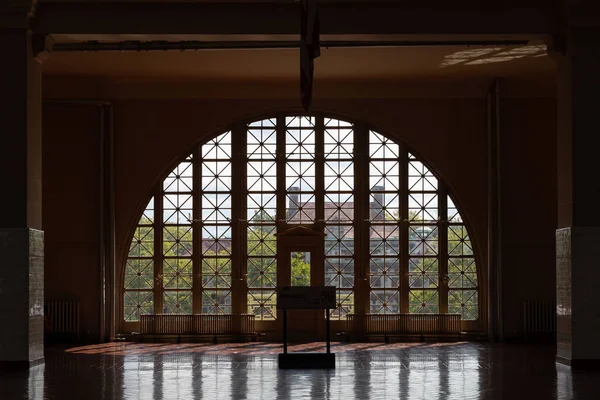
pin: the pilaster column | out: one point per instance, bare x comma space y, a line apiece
578, 236
21, 237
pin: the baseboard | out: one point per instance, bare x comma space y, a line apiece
10, 366
580, 363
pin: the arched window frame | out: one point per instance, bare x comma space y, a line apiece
239, 289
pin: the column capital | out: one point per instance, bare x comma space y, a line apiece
17, 13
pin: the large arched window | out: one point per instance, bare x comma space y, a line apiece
207, 241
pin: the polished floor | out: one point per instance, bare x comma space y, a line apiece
465, 370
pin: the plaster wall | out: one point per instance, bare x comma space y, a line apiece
152, 134
529, 202
71, 203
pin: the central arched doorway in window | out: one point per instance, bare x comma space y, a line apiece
301, 200
301, 250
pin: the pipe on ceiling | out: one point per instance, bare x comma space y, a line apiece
95, 46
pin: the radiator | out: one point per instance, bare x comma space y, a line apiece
539, 317
62, 316
410, 324
199, 324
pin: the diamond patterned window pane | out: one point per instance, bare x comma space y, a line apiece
338, 183
262, 303
261, 203
138, 297
216, 207
462, 269
216, 302
216, 231
384, 302
300, 176
261, 176
423, 207
384, 175
177, 208
177, 273
139, 274
459, 243
381, 147
462, 273
300, 122
384, 231
385, 240
300, 179
180, 180
339, 272
464, 302
301, 208
344, 305
384, 207
453, 215
339, 139
216, 273
262, 139
339, 208
385, 273
423, 302
148, 215
420, 178
137, 303
422, 240
262, 271
262, 208
216, 176
218, 149
178, 241
216, 240
339, 240
300, 144
339, 176
262, 241
423, 273
177, 302
142, 244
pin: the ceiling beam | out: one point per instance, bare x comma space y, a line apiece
379, 18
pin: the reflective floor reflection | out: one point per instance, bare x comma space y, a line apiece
249, 371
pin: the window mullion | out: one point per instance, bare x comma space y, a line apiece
404, 229
319, 170
197, 232
283, 277
361, 215
158, 250
238, 199
443, 246
318, 268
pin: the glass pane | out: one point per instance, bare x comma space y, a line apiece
180, 179
216, 232
137, 303
261, 216
300, 266
177, 302
464, 302
262, 303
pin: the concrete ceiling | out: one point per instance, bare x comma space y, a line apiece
398, 63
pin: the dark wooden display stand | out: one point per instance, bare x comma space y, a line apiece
306, 360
